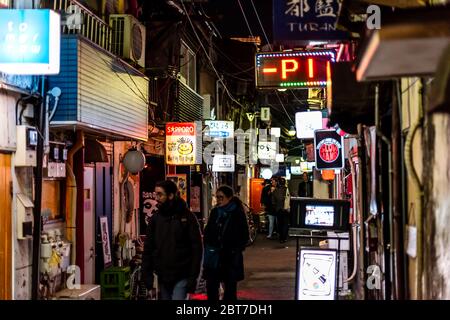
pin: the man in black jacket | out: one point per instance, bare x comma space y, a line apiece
173, 247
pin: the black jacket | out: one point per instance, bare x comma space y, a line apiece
231, 237
173, 247
266, 198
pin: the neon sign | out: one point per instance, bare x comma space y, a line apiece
294, 69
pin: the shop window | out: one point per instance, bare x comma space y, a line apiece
188, 66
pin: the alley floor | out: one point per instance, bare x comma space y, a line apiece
269, 270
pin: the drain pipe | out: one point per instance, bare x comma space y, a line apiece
71, 196
37, 221
356, 221
416, 182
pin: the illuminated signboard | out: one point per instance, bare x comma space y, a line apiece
29, 41
181, 143
307, 122
220, 129
328, 146
223, 163
294, 69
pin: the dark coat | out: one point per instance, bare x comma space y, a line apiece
173, 247
278, 197
230, 238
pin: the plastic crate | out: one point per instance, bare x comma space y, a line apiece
115, 283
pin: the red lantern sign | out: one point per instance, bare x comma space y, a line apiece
328, 146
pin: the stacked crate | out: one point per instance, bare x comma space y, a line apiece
115, 283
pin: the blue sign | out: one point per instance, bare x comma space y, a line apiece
296, 20
29, 41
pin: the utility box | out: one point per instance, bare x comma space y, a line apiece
24, 217
26, 146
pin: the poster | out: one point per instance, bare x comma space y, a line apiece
181, 182
316, 277
106, 248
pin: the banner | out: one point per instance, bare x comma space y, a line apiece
295, 20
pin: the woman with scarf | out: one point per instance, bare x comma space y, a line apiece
226, 236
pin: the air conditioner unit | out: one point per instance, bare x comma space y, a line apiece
128, 38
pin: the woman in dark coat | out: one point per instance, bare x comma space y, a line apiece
226, 236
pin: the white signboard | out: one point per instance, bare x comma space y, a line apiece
306, 123
219, 129
267, 150
316, 275
223, 163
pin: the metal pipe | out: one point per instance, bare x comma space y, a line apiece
355, 222
37, 223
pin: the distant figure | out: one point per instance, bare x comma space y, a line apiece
173, 246
305, 188
279, 196
226, 236
270, 207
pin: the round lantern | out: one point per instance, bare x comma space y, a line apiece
134, 161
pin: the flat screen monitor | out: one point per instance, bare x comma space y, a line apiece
316, 214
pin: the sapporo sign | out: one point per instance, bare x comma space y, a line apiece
328, 146
181, 143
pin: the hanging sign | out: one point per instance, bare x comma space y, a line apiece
306, 123
267, 150
265, 113
295, 20
294, 69
29, 41
220, 129
328, 146
223, 163
181, 143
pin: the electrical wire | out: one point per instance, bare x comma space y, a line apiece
209, 58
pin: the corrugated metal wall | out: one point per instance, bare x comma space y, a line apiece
112, 96
67, 80
100, 90
189, 105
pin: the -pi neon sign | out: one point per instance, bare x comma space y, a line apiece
293, 69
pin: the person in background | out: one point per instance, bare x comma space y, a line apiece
226, 236
283, 207
305, 188
278, 200
270, 209
266, 202
173, 246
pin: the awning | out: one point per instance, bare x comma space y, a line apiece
409, 43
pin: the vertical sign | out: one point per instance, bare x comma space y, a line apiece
329, 147
306, 20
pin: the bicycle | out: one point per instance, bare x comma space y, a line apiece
253, 224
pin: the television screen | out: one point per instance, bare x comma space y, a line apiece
319, 215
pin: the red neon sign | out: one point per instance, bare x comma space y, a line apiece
303, 69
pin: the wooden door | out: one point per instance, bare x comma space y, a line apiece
5, 227
256, 186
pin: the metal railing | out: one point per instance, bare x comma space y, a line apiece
92, 27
